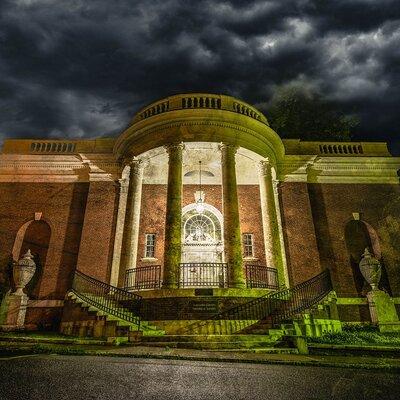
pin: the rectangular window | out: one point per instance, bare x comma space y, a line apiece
248, 245
150, 245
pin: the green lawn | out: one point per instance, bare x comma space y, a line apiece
359, 335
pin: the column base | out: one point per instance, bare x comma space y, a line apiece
169, 286
237, 285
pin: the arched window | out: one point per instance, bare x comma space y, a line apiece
199, 228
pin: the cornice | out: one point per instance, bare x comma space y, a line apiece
31, 168
263, 143
339, 170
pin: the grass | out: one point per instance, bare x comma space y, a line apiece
361, 335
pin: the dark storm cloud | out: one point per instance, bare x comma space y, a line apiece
81, 69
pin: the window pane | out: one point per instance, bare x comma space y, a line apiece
150, 245
248, 245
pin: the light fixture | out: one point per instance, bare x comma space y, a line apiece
199, 203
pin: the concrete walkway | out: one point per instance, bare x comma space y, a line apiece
251, 357
10, 346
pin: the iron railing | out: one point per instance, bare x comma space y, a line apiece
142, 278
112, 300
273, 307
203, 275
260, 276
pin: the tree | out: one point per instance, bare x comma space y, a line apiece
301, 114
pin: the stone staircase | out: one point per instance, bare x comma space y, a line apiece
81, 317
96, 309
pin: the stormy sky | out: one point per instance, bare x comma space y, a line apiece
82, 68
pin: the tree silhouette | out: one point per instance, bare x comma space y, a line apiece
298, 113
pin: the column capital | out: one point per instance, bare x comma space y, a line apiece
123, 185
225, 146
264, 167
173, 146
136, 167
132, 161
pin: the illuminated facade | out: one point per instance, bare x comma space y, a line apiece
198, 192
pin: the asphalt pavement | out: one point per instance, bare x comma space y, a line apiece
53, 377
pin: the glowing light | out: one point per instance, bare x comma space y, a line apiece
200, 206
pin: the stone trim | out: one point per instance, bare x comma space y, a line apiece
39, 168
351, 301
383, 170
45, 303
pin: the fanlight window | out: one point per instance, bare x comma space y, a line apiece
200, 229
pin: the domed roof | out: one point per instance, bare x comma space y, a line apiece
199, 117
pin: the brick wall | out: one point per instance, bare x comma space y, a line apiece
299, 232
314, 217
63, 208
97, 242
152, 218
332, 206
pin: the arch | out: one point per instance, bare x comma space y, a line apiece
202, 234
207, 207
359, 235
33, 235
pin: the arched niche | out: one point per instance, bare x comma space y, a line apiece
33, 235
358, 236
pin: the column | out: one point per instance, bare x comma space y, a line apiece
173, 219
119, 231
132, 217
230, 205
270, 221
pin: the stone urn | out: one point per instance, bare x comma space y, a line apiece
371, 269
23, 272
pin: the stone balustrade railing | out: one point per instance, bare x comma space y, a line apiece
52, 147
336, 148
199, 101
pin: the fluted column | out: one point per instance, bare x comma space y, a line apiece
173, 220
119, 231
230, 204
271, 229
132, 218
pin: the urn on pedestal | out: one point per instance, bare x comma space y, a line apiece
23, 272
371, 269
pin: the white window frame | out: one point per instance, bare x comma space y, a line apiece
150, 248
248, 246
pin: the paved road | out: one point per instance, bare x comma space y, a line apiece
71, 377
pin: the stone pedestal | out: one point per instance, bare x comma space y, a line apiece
12, 311
383, 311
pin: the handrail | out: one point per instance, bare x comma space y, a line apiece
276, 306
203, 274
260, 276
145, 277
113, 300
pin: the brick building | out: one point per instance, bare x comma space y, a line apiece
198, 191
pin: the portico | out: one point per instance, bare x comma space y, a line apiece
215, 236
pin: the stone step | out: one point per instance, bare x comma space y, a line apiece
261, 350
208, 345
145, 327
214, 338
